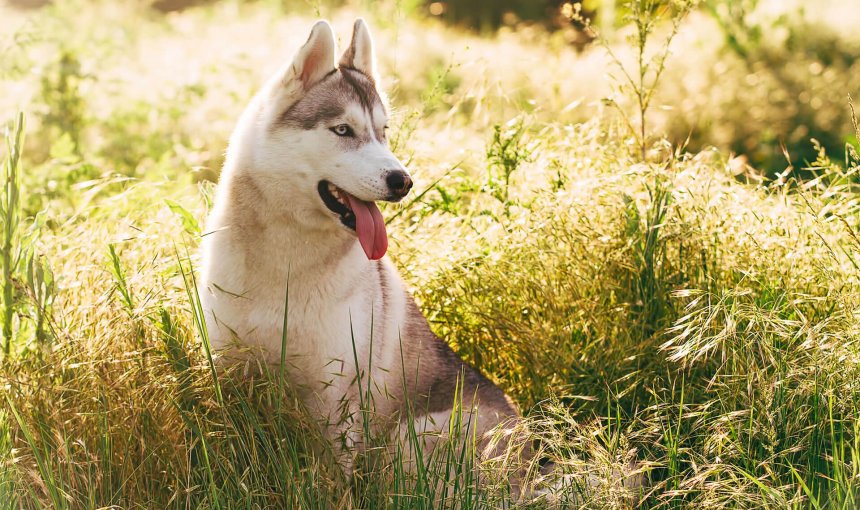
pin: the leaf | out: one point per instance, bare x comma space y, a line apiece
189, 222
121, 282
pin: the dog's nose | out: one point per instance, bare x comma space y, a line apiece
399, 182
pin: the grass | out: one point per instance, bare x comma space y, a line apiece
656, 311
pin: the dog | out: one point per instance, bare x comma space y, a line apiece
296, 241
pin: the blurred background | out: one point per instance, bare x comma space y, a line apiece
763, 79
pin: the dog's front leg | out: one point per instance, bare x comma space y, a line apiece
345, 433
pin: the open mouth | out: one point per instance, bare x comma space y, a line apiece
333, 198
358, 215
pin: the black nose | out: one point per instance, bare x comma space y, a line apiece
399, 182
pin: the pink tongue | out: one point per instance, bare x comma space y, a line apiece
370, 227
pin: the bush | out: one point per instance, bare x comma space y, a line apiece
781, 82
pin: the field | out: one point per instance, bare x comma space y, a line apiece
671, 290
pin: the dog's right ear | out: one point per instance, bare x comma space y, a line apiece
315, 59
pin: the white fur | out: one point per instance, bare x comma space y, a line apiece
332, 298
272, 242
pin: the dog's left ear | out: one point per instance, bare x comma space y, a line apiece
359, 54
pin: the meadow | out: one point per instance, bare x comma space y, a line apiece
660, 264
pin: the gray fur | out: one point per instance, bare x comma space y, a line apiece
327, 100
348, 314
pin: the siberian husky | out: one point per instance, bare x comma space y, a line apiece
295, 227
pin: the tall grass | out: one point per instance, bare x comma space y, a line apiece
11, 214
656, 319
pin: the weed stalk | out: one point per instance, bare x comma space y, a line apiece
10, 210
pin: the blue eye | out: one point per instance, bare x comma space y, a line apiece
342, 130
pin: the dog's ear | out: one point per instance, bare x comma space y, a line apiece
359, 55
315, 59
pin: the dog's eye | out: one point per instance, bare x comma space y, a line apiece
342, 130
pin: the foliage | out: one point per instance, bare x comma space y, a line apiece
652, 315
27, 278
784, 81
641, 79
11, 213
65, 109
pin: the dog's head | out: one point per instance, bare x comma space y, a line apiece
316, 136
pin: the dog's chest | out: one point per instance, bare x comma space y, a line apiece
327, 327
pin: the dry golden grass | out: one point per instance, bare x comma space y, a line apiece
660, 310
